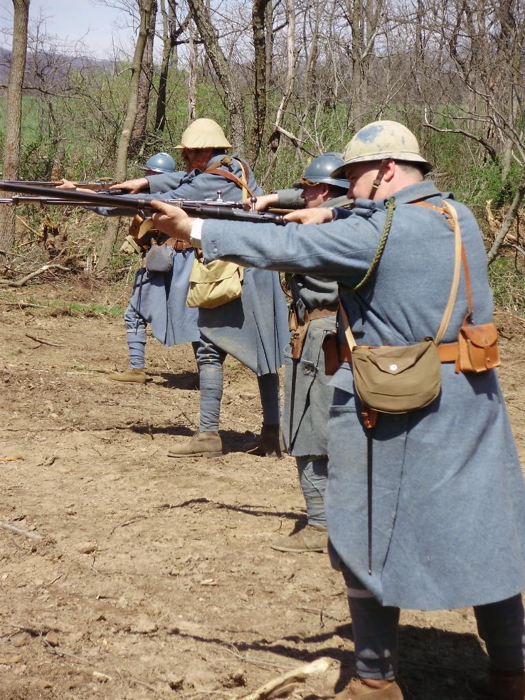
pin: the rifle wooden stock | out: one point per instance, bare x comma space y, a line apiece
202, 209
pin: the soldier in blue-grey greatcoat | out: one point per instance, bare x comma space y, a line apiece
446, 492
307, 390
252, 328
159, 298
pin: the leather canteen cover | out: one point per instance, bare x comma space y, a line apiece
478, 348
159, 258
214, 284
397, 379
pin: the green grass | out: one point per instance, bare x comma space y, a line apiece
74, 307
71, 308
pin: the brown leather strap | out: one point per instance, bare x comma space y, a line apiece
232, 177
448, 352
178, 244
446, 214
467, 283
318, 313
440, 210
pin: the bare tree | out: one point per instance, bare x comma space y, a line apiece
192, 75
13, 121
260, 63
138, 133
145, 7
482, 87
171, 33
232, 97
287, 88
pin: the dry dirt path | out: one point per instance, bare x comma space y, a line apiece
144, 577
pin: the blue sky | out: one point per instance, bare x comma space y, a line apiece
71, 21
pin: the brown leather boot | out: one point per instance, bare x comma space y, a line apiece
498, 685
208, 444
130, 375
312, 538
269, 442
370, 690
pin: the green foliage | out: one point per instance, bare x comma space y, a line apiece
75, 134
507, 278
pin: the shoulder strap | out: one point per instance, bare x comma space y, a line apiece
241, 182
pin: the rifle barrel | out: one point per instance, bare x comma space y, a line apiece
95, 185
203, 209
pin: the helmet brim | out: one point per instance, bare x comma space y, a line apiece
403, 157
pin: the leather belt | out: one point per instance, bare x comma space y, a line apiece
179, 245
318, 313
448, 352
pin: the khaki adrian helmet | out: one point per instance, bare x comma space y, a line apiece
380, 140
204, 133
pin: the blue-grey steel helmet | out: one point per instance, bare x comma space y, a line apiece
321, 169
160, 163
382, 140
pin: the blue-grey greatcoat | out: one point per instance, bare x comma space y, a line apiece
253, 328
160, 297
307, 390
448, 494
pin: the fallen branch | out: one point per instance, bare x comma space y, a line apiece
44, 342
507, 222
22, 305
288, 681
23, 280
20, 531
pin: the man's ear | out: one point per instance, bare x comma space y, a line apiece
389, 166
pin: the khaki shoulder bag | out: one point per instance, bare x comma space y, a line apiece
219, 282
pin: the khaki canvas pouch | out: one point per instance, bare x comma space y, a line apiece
214, 284
397, 379
478, 348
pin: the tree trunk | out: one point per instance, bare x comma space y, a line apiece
259, 14
232, 95
122, 154
170, 40
138, 135
192, 76
13, 122
275, 138
168, 22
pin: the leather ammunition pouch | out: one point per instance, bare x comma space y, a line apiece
478, 348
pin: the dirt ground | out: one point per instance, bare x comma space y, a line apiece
138, 576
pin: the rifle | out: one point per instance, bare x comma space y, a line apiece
207, 209
99, 185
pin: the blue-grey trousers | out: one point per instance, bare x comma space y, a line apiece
313, 477
210, 360
500, 625
136, 338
